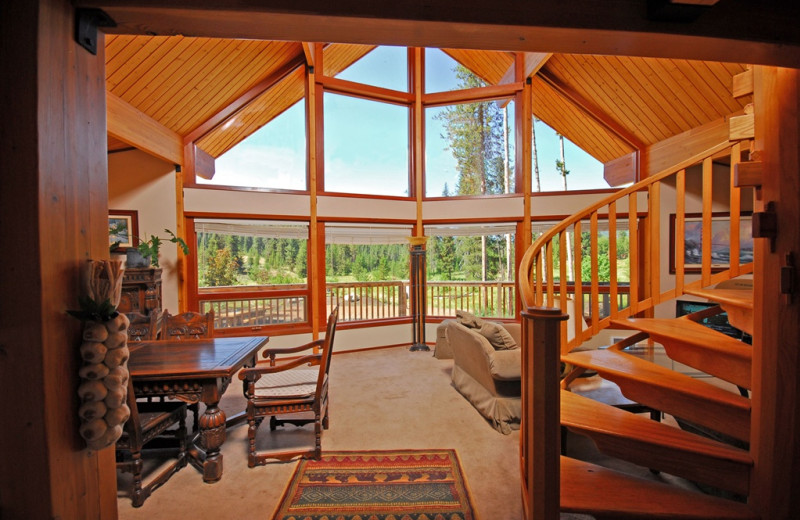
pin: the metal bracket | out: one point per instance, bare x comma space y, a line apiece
765, 225
86, 23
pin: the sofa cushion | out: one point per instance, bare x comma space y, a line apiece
468, 319
497, 335
505, 365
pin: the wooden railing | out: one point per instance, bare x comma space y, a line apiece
544, 307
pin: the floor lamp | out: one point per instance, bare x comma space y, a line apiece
418, 300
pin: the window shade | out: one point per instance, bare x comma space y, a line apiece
460, 230
254, 228
366, 234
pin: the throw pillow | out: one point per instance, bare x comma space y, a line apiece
469, 320
497, 335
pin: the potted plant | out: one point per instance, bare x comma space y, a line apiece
146, 253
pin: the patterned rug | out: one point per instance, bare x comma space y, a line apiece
378, 485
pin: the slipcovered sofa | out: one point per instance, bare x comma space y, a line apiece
488, 375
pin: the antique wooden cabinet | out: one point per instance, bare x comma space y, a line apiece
141, 291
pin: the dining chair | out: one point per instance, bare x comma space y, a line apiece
141, 327
296, 385
187, 325
153, 429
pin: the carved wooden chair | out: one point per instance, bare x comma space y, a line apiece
187, 325
142, 328
293, 386
157, 428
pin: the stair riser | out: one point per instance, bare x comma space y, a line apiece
729, 420
697, 467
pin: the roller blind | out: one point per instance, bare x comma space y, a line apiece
254, 228
366, 233
453, 230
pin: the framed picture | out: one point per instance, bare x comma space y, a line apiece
720, 242
123, 228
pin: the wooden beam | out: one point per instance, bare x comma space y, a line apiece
742, 84
245, 99
621, 170
612, 27
308, 50
592, 110
128, 124
203, 164
533, 61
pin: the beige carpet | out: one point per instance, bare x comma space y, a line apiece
380, 399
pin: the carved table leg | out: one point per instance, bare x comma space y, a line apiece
212, 436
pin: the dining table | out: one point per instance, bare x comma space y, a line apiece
195, 370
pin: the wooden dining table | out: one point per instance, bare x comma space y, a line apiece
194, 370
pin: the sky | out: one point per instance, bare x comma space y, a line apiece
366, 142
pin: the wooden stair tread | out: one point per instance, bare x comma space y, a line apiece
653, 444
736, 297
605, 493
698, 346
669, 391
738, 303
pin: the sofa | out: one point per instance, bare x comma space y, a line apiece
488, 375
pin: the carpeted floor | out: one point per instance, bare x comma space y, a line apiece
386, 399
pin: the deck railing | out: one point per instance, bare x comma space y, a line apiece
544, 307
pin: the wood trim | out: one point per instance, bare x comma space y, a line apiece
252, 216
363, 196
487, 196
361, 90
195, 186
309, 51
203, 164
433, 222
471, 95
245, 99
128, 124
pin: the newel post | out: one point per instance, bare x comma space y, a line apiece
541, 415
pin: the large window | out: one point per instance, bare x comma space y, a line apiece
366, 270
471, 267
366, 146
469, 149
577, 171
252, 272
274, 157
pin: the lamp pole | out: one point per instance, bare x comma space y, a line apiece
418, 300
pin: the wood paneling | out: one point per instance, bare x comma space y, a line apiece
53, 206
488, 65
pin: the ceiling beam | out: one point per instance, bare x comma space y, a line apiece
245, 99
742, 31
308, 50
592, 110
134, 127
533, 62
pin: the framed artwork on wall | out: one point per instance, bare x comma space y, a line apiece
720, 242
123, 228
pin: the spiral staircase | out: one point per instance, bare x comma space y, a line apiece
711, 450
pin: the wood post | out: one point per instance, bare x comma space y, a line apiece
540, 435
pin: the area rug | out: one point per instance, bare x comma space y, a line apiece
378, 485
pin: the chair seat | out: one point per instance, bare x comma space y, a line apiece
155, 418
296, 383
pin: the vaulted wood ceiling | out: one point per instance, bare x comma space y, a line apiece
606, 105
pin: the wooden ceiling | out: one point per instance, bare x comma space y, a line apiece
606, 105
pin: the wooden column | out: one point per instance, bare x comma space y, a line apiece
776, 336
53, 218
315, 139
523, 132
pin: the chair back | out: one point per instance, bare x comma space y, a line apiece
142, 328
327, 349
188, 325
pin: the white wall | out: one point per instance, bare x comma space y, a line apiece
141, 182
